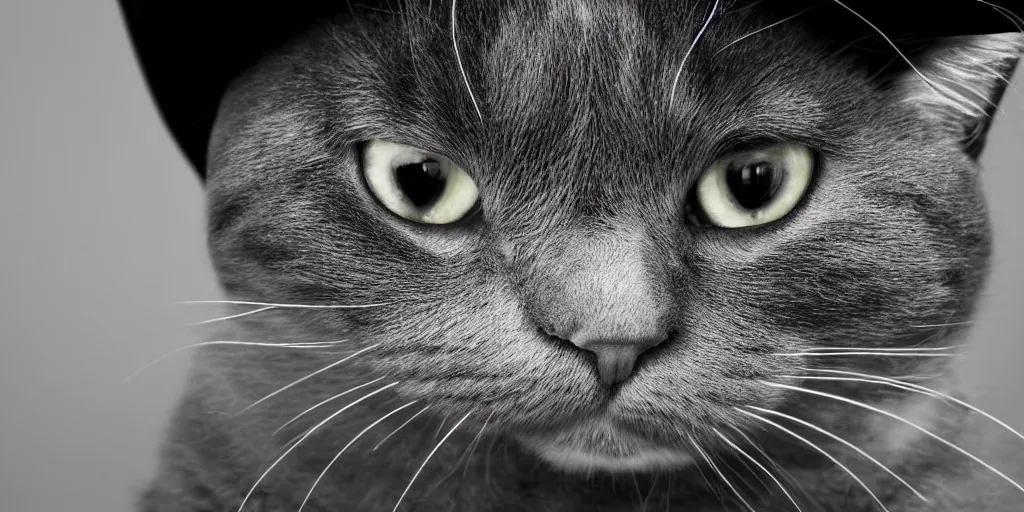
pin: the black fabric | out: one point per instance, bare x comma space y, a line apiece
190, 50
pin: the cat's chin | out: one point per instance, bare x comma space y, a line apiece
579, 461
601, 447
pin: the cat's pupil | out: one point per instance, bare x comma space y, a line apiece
421, 182
753, 185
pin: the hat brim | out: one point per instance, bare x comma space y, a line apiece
190, 50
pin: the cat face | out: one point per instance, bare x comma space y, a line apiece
593, 229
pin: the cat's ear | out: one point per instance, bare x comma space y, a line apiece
960, 82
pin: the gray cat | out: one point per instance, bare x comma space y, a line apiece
596, 255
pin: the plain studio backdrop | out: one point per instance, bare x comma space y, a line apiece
102, 231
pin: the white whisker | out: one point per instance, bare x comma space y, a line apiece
350, 443
782, 471
777, 23
311, 431
901, 420
400, 427
1016, 20
846, 443
686, 56
917, 388
232, 317
324, 401
820, 450
474, 442
950, 324
315, 344
901, 349
760, 466
720, 474
458, 60
307, 377
292, 306
865, 352
957, 101
427, 459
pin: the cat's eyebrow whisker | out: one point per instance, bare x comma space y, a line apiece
216, 343
322, 402
1016, 20
956, 100
311, 375
721, 475
745, 7
846, 443
759, 466
818, 449
427, 459
898, 418
917, 388
686, 56
769, 27
862, 353
304, 437
346, 447
233, 317
462, 70
400, 427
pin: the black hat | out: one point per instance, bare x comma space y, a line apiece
190, 50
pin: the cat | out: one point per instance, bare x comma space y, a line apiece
596, 255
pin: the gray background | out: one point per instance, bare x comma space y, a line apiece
102, 232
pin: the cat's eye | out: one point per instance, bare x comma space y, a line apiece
418, 185
755, 187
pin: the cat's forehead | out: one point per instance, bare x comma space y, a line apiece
575, 92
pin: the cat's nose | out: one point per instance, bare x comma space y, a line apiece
617, 356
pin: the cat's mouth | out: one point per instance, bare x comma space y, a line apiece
598, 444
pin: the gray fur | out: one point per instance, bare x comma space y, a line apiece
584, 168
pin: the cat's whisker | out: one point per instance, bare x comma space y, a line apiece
346, 447
307, 377
311, 431
819, 450
400, 427
935, 326
1016, 20
901, 349
233, 317
783, 472
956, 100
846, 443
291, 306
721, 475
917, 388
324, 401
686, 56
427, 459
473, 444
769, 27
862, 353
306, 345
745, 7
462, 70
466, 454
900, 419
759, 466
